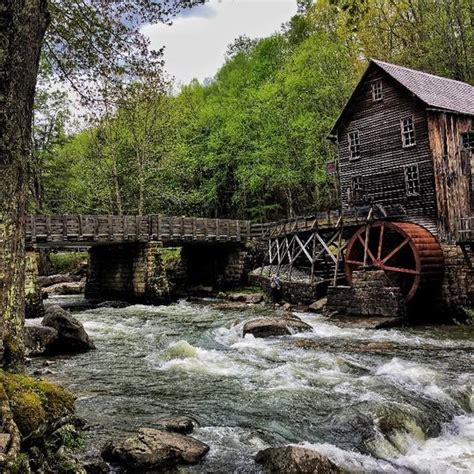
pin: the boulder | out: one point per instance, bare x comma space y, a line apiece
178, 424
72, 336
152, 449
267, 327
295, 460
250, 298
318, 306
54, 279
38, 339
66, 288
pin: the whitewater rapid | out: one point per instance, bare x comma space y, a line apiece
397, 400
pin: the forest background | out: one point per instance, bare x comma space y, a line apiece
251, 142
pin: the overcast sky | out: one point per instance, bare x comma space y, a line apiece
197, 41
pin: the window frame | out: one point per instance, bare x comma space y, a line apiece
352, 156
402, 131
377, 91
357, 183
412, 182
467, 140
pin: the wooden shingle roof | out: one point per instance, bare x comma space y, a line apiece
435, 91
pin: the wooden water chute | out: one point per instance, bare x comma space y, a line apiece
410, 255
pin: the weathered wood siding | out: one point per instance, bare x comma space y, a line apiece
452, 170
382, 161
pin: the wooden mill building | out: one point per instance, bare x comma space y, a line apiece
406, 138
405, 144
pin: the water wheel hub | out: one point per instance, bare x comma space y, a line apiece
409, 255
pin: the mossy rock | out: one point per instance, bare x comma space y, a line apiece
35, 402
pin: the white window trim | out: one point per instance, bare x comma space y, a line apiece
373, 86
349, 145
405, 171
414, 132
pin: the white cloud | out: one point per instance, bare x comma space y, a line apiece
195, 44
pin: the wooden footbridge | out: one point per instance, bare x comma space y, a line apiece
89, 230
331, 242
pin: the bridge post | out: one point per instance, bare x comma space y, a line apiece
134, 271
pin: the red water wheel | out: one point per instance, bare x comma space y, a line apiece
410, 255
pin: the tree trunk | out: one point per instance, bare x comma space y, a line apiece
22, 27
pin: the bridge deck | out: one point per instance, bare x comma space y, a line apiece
86, 230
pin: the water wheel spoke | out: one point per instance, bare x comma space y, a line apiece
401, 270
379, 249
369, 253
395, 250
354, 262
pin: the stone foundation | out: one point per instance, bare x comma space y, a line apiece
457, 291
33, 299
134, 272
292, 292
154, 274
369, 295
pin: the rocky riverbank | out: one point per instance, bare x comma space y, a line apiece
39, 431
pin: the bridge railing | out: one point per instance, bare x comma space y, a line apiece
108, 228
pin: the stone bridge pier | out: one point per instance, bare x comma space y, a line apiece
153, 273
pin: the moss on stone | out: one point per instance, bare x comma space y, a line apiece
35, 402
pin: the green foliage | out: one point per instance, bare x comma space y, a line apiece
252, 143
64, 262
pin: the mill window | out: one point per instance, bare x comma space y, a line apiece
467, 140
377, 91
357, 183
412, 180
408, 132
354, 145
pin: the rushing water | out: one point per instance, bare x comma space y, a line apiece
373, 400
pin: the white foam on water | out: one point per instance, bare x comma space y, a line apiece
323, 329
352, 461
183, 356
236, 442
452, 451
406, 371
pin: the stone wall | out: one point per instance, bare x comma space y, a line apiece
292, 292
133, 272
369, 295
33, 299
457, 290
154, 274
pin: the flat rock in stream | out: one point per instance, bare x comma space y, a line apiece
367, 322
295, 460
268, 327
249, 298
178, 424
50, 280
153, 449
65, 288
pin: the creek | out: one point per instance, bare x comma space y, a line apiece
398, 400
